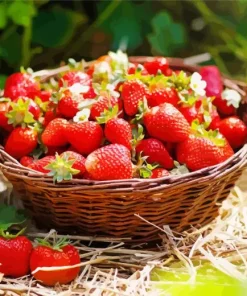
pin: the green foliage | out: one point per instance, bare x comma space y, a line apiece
167, 36
41, 33
9, 216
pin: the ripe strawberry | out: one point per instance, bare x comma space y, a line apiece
228, 102
118, 131
85, 136
166, 123
15, 249
46, 255
156, 152
163, 95
14, 256
133, 92
104, 103
55, 133
39, 165
26, 161
215, 119
90, 94
156, 64
112, 162
192, 113
68, 105
21, 85
21, 142
159, 173
199, 152
234, 130
212, 76
50, 115
45, 95
72, 77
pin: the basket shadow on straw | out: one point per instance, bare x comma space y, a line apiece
110, 207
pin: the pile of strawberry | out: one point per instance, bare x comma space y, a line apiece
19, 256
120, 120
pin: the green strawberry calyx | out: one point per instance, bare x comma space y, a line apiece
143, 169
19, 113
159, 81
62, 168
180, 81
57, 245
106, 115
213, 135
12, 221
137, 135
179, 169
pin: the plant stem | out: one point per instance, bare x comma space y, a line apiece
100, 20
26, 45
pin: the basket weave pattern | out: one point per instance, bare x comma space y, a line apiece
110, 208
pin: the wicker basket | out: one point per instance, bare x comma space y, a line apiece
111, 208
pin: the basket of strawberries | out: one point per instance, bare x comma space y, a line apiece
105, 146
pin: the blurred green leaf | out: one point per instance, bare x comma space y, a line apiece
55, 27
10, 49
3, 15
21, 12
127, 24
2, 80
167, 36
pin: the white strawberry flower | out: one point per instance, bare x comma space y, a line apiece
77, 89
119, 59
232, 97
197, 84
111, 90
102, 68
82, 115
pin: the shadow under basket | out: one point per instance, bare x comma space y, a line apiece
122, 208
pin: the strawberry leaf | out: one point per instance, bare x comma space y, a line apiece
10, 216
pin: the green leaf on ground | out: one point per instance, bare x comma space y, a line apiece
167, 36
10, 216
55, 27
21, 12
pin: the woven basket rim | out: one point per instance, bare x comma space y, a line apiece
239, 159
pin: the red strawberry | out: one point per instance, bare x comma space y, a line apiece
60, 255
90, 94
215, 120
104, 103
234, 130
166, 123
55, 133
212, 76
163, 95
156, 152
159, 173
156, 64
85, 136
228, 102
68, 105
72, 77
50, 115
192, 113
118, 130
13, 250
21, 85
45, 95
39, 165
112, 162
21, 142
26, 161
199, 152
133, 92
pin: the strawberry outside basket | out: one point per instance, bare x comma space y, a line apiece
112, 207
